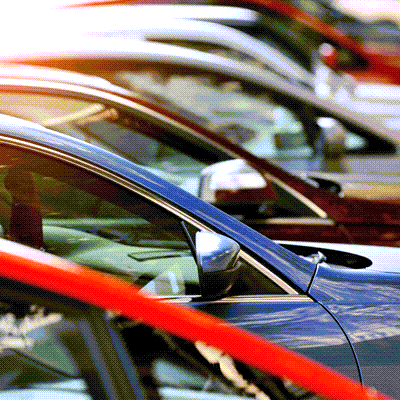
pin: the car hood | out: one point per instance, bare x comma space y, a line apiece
381, 258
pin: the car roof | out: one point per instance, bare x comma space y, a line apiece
132, 22
18, 71
60, 276
280, 6
96, 50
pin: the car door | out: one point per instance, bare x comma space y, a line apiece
89, 216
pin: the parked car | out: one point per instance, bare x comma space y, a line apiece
206, 36
379, 101
82, 203
57, 342
278, 204
256, 109
370, 33
346, 53
285, 207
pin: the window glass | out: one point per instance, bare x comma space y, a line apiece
253, 120
134, 138
176, 369
35, 361
181, 158
354, 142
95, 223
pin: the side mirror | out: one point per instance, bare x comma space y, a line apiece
236, 188
216, 259
323, 183
289, 140
333, 145
340, 59
334, 137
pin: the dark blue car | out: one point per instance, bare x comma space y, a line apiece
72, 199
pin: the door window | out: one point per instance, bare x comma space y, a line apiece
74, 214
88, 220
35, 361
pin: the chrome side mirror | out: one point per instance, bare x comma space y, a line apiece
217, 262
236, 188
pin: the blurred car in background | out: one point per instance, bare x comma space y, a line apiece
381, 101
373, 33
276, 203
57, 342
345, 53
133, 23
77, 201
262, 112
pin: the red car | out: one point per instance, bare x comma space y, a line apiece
67, 332
365, 63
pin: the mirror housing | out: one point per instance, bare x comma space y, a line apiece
323, 183
235, 187
340, 59
217, 262
333, 145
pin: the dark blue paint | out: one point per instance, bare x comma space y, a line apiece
367, 306
302, 326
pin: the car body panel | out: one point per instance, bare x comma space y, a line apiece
373, 331
295, 323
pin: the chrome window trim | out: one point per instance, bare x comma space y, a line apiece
289, 298
294, 221
100, 95
269, 274
307, 202
146, 194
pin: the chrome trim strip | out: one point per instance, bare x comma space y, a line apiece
269, 274
294, 221
312, 206
115, 98
266, 299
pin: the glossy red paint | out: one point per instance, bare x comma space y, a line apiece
104, 291
381, 65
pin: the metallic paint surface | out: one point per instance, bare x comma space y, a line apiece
367, 306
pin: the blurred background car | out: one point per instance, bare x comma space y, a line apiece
370, 33
347, 54
381, 101
260, 111
274, 202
